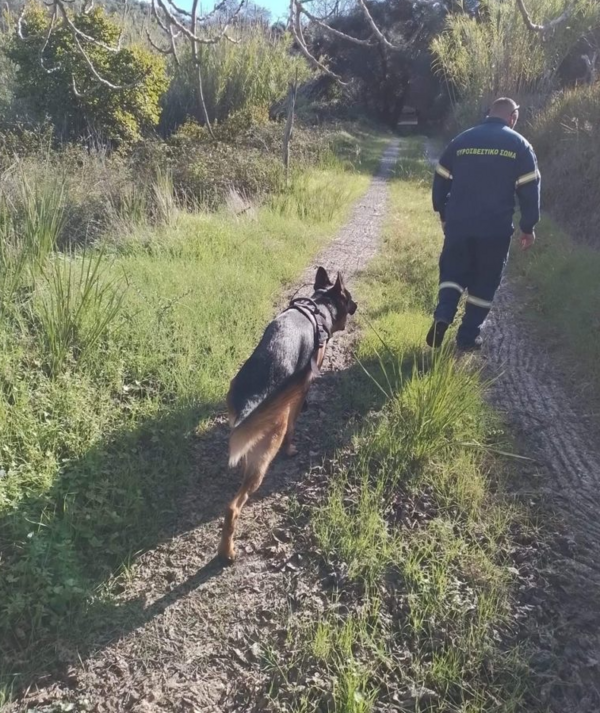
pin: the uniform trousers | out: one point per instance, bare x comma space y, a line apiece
471, 265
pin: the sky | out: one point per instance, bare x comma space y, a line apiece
277, 8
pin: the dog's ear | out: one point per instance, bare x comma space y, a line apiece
322, 281
339, 288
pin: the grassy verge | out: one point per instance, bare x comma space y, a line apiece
363, 154
414, 531
559, 293
109, 359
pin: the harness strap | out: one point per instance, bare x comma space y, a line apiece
309, 308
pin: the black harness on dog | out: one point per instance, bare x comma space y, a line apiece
309, 308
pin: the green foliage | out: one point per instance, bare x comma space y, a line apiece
237, 77
7, 71
30, 225
495, 54
566, 137
381, 80
56, 79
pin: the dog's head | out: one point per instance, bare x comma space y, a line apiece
339, 296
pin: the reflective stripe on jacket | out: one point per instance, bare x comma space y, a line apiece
477, 178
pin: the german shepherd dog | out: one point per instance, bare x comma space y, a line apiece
268, 393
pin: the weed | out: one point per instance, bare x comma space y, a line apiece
30, 224
75, 305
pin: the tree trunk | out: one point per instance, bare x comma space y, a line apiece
289, 128
196, 61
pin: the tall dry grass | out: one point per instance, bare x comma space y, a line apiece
236, 77
566, 136
481, 58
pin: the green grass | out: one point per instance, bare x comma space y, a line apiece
558, 281
109, 362
414, 521
362, 155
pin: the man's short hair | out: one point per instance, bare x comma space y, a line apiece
504, 105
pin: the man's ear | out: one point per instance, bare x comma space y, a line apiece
322, 281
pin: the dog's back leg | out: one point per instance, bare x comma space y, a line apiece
295, 409
297, 404
255, 465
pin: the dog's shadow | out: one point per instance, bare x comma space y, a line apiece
333, 416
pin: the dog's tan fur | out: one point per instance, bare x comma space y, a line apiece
256, 443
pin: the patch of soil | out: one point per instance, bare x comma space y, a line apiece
551, 427
187, 634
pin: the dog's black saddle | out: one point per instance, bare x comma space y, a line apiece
310, 310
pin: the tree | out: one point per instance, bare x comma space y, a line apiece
74, 70
379, 75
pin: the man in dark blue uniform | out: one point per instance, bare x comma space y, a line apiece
474, 191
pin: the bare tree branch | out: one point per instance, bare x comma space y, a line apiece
298, 9
171, 50
202, 18
88, 6
97, 76
551, 24
60, 5
296, 28
48, 70
331, 30
376, 31
191, 32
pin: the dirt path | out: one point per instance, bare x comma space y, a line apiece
186, 631
551, 428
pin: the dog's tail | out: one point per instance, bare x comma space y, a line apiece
247, 433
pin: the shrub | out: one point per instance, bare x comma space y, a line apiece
566, 137
30, 223
237, 77
494, 53
70, 95
75, 306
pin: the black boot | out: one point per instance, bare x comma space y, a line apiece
435, 336
474, 346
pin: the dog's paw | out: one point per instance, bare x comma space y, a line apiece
225, 560
226, 554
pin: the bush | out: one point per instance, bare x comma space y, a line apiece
494, 53
76, 102
245, 158
109, 193
236, 77
566, 136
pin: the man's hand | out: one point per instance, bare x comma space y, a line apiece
527, 240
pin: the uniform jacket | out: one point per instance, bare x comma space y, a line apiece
477, 178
